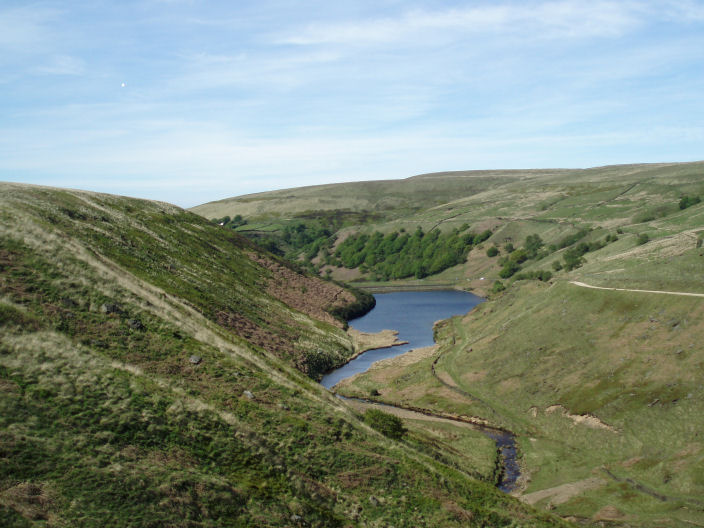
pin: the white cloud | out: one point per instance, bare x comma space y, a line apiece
558, 19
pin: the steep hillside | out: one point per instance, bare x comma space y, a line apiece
146, 379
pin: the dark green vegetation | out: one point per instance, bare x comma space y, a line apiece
689, 201
400, 255
387, 424
147, 379
603, 388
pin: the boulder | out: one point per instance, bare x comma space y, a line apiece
135, 324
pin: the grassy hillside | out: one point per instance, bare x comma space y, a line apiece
603, 386
634, 199
147, 379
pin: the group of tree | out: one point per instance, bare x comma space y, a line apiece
232, 223
531, 250
298, 241
399, 254
574, 256
534, 249
307, 238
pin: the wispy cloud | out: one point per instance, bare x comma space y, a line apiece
62, 65
573, 19
685, 10
23, 29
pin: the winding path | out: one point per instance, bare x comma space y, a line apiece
685, 294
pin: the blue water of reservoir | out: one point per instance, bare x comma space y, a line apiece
412, 314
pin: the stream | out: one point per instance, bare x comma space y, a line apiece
413, 315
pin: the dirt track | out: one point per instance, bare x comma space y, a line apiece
686, 294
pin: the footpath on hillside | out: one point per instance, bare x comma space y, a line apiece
686, 294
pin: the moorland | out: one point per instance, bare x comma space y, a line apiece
159, 370
589, 345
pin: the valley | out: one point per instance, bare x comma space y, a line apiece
578, 349
157, 368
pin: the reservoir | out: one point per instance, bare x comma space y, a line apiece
412, 314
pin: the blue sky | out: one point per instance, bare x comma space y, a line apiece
189, 101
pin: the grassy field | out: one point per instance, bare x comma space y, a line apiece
603, 388
156, 370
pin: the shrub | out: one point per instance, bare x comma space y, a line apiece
689, 201
498, 287
509, 269
492, 251
541, 275
556, 265
573, 238
387, 424
653, 214
481, 237
643, 238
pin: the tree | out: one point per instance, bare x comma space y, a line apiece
509, 269
519, 256
573, 259
533, 244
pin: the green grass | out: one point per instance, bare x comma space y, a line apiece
631, 359
104, 421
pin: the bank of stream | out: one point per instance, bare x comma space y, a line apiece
413, 315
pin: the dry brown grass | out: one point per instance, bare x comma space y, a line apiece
363, 341
563, 493
30, 499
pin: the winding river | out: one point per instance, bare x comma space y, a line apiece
413, 315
